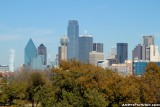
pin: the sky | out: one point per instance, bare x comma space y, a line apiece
45, 21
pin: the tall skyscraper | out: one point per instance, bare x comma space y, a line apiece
30, 52
147, 41
11, 60
98, 47
42, 51
73, 42
85, 46
62, 50
122, 52
137, 53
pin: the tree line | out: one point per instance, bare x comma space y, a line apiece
74, 84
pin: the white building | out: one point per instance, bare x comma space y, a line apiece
95, 56
11, 60
103, 63
154, 53
124, 69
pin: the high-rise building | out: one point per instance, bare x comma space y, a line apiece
85, 46
98, 47
122, 52
73, 40
94, 57
154, 53
147, 41
62, 50
137, 53
42, 51
30, 52
112, 53
11, 60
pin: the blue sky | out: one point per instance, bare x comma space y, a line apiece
45, 21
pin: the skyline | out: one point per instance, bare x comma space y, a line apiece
109, 22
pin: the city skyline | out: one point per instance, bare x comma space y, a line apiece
109, 22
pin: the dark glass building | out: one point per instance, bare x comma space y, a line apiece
73, 40
85, 46
98, 47
137, 52
42, 51
30, 52
122, 52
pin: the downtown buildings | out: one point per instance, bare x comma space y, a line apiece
35, 59
83, 49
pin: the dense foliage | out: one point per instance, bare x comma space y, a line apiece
81, 85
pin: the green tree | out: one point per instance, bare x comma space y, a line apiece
35, 84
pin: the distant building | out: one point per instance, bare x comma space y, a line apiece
112, 55
147, 41
4, 68
154, 53
11, 60
122, 52
98, 47
139, 67
38, 63
30, 52
103, 63
137, 53
85, 46
43, 51
122, 68
95, 56
73, 42
62, 50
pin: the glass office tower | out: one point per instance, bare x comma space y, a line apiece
30, 52
42, 51
73, 40
122, 52
85, 46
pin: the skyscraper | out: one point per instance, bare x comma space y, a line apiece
98, 47
73, 40
30, 52
147, 41
85, 46
122, 52
42, 51
11, 60
62, 50
137, 53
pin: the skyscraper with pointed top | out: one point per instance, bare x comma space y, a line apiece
73, 40
30, 52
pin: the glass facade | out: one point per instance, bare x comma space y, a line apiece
85, 46
42, 51
30, 52
122, 52
73, 40
98, 47
139, 67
